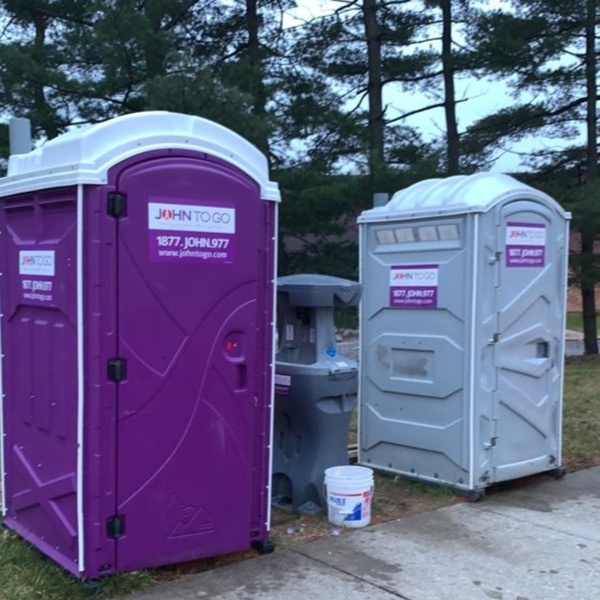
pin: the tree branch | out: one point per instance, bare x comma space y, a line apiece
424, 109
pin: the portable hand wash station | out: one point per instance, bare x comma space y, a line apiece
315, 388
137, 293
462, 332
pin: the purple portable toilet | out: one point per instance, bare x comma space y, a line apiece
137, 291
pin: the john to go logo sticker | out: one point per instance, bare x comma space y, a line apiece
36, 262
414, 286
525, 245
191, 233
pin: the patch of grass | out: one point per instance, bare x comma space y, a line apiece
353, 428
581, 413
291, 529
575, 321
26, 574
346, 317
397, 497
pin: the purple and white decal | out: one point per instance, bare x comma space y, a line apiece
191, 232
37, 270
414, 286
525, 245
283, 384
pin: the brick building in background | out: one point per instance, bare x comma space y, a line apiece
574, 293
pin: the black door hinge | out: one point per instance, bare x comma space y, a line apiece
115, 527
116, 205
117, 369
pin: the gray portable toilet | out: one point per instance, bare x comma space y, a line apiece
462, 331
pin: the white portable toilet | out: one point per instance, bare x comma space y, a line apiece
462, 332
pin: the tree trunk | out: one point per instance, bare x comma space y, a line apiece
588, 296
43, 113
452, 139
374, 87
255, 62
154, 51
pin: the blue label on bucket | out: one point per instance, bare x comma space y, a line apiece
337, 500
356, 514
349, 507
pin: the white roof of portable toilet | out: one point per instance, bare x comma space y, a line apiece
459, 194
83, 156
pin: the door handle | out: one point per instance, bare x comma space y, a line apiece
241, 378
542, 350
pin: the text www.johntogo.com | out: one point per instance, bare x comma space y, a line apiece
201, 254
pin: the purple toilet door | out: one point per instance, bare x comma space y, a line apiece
39, 344
191, 306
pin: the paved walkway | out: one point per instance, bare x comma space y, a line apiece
537, 541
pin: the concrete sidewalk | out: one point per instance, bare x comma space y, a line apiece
538, 541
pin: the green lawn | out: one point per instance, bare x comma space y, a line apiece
25, 574
581, 413
575, 321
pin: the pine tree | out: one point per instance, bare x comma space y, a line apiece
360, 49
547, 50
40, 79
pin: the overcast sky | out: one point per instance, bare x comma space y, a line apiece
484, 97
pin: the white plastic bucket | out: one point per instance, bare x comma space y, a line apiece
349, 493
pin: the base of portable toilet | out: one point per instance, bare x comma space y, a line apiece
137, 299
462, 332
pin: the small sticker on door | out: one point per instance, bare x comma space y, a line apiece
283, 384
37, 271
525, 245
36, 262
185, 233
414, 286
